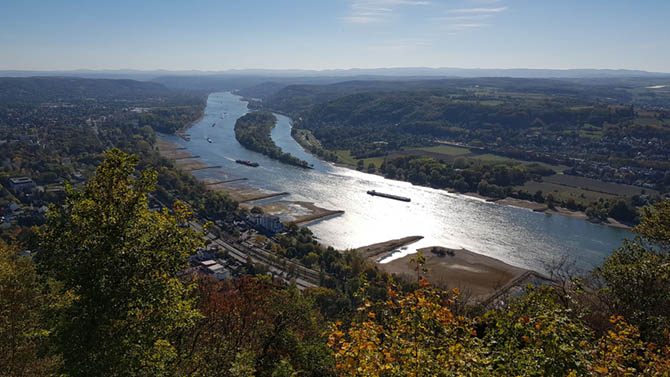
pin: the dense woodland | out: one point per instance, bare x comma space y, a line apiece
107, 288
253, 132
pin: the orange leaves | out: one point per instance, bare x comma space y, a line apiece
601, 370
418, 335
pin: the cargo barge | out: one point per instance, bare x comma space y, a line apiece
389, 196
248, 163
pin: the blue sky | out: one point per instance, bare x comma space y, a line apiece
327, 34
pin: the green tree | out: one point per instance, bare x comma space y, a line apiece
23, 321
537, 336
637, 276
119, 261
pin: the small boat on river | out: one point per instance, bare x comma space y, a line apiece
389, 196
248, 163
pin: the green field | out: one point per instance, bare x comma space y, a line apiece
448, 150
344, 157
563, 193
595, 185
583, 190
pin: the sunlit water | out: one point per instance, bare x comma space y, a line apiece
517, 236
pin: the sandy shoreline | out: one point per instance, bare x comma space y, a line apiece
477, 276
245, 194
375, 250
298, 212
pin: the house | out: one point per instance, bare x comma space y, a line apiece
215, 269
19, 184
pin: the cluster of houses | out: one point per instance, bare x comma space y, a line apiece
12, 210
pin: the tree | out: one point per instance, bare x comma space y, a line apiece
24, 322
119, 262
413, 334
655, 225
251, 326
537, 336
637, 277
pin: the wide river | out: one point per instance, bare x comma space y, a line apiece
517, 236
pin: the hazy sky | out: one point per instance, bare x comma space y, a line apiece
325, 34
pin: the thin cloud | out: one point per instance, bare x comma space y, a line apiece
477, 10
459, 27
472, 17
372, 11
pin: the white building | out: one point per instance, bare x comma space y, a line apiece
267, 222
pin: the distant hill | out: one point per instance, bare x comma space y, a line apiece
296, 98
35, 89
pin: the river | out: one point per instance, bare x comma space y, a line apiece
517, 236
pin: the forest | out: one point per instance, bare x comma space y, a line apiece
253, 132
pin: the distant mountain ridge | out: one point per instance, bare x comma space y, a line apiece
353, 72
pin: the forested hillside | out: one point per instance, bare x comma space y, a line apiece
39, 89
610, 130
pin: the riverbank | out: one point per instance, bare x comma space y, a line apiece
377, 249
300, 137
519, 203
561, 211
299, 212
182, 131
477, 276
181, 158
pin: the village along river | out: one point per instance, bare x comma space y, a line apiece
515, 235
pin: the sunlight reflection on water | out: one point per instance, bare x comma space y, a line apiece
517, 236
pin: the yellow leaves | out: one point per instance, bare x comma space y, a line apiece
371, 315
